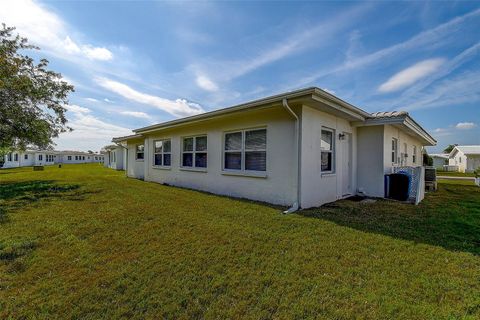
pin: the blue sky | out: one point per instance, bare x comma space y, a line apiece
138, 63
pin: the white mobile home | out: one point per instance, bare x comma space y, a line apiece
440, 160
28, 158
466, 158
301, 149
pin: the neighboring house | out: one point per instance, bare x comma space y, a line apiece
439, 160
75, 157
114, 157
27, 158
300, 149
467, 158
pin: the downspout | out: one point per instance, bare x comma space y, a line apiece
295, 205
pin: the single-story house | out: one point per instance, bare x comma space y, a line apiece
300, 149
439, 160
114, 157
28, 158
467, 158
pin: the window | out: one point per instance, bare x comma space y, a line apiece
15, 157
25, 157
83, 157
49, 157
459, 159
194, 152
414, 154
40, 157
9, 156
246, 150
139, 151
394, 150
327, 147
69, 157
162, 153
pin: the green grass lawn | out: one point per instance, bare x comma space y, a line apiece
85, 242
455, 174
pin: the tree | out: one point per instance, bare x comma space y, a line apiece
427, 160
449, 148
32, 98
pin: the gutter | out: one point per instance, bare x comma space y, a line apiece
295, 205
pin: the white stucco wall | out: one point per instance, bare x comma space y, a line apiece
370, 153
43, 161
439, 162
459, 159
318, 188
403, 138
21, 162
275, 186
135, 167
114, 159
375, 156
473, 163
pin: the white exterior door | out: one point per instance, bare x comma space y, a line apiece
346, 146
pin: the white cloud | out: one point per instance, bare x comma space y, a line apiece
205, 83
295, 43
89, 132
108, 100
461, 89
136, 114
435, 36
91, 99
70, 46
411, 75
465, 125
442, 132
178, 107
77, 109
47, 30
97, 53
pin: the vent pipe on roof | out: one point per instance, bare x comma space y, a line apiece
295, 205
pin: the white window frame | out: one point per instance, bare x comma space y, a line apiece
394, 150
15, 157
25, 157
136, 152
162, 153
40, 157
193, 152
332, 151
414, 154
243, 151
9, 157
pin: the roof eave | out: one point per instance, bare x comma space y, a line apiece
310, 93
126, 138
414, 126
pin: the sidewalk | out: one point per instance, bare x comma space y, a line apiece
456, 178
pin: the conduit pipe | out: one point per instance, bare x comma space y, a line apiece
295, 205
